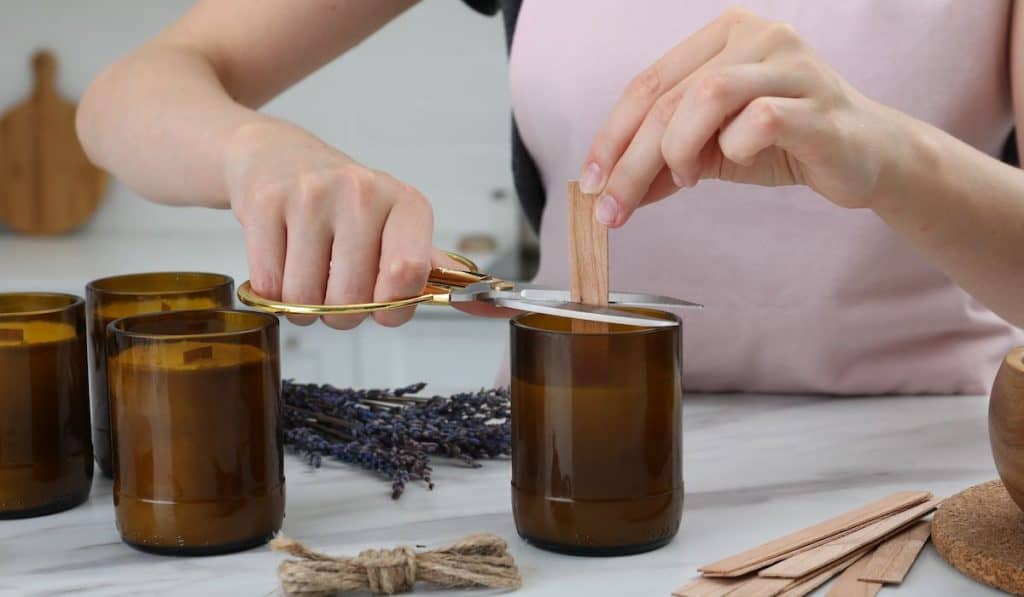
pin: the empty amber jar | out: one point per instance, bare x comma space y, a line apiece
45, 451
112, 298
195, 408
596, 434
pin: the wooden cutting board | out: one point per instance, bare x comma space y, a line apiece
47, 185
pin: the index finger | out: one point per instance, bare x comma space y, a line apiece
405, 253
636, 101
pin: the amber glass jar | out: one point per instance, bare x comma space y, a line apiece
596, 434
112, 298
45, 451
195, 407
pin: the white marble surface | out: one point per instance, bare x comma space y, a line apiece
755, 467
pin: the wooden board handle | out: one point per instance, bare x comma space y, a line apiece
588, 249
44, 65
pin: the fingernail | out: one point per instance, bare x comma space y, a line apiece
590, 182
677, 180
607, 210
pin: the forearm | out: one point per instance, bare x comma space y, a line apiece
159, 119
963, 210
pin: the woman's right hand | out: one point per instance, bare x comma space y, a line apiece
321, 228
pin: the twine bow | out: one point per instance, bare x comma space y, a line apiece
473, 561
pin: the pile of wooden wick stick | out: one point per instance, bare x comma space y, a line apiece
871, 546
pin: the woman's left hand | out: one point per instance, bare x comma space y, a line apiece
744, 100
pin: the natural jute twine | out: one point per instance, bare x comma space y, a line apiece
473, 561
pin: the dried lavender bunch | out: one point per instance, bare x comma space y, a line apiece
394, 432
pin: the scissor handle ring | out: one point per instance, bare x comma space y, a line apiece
431, 294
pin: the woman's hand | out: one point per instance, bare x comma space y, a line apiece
320, 227
744, 100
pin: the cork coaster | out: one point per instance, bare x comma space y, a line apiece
980, 532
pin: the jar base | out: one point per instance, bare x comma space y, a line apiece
601, 552
597, 527
205, 550
66, 503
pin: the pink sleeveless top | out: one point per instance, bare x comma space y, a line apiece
801, 296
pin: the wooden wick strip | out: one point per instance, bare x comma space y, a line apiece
703, 586
15, 335
828, 530
197, 354
891, 562
760, 586
807, 584
849, 584
588, 258
765, 563
808, 562
588, 250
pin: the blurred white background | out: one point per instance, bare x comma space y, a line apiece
425, 99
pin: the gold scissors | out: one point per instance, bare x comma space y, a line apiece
447, 286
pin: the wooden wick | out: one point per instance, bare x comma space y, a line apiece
197, 354
588, 249
12, 334
588, 257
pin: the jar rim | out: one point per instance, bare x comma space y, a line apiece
205, 282
522, 322
160, 326
65, 302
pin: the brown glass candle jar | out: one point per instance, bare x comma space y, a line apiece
596, 434
45, 451
112, 298
196, 421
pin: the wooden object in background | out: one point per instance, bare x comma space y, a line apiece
810, 561
1006, 424
828, 530
980, 532
47, 184
849, 584
890, 563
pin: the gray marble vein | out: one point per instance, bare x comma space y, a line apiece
755, 467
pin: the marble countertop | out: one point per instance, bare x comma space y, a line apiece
756, 467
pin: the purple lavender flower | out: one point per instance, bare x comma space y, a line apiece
394, 432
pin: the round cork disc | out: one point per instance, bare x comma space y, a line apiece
980, 532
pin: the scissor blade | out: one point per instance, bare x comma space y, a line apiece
586, 312
633, 299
